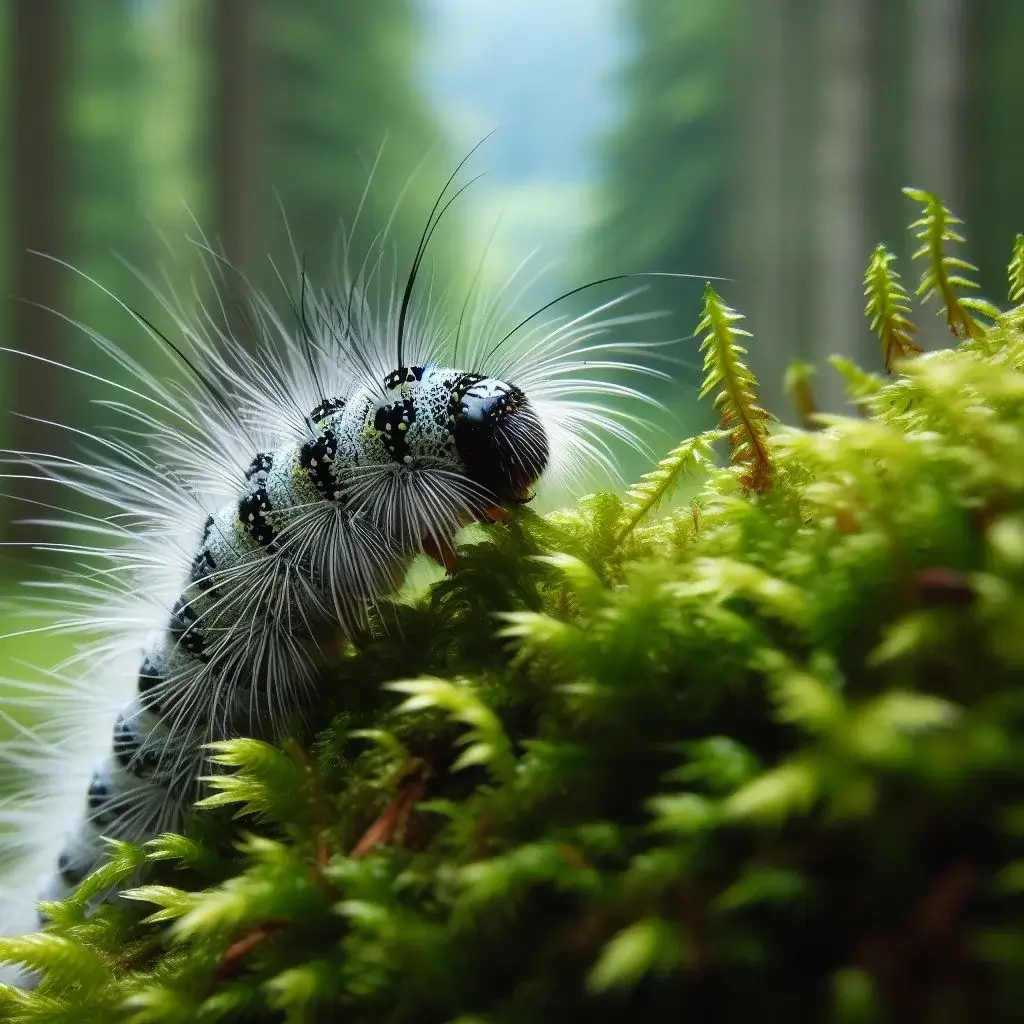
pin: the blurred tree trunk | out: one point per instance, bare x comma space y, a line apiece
38, 37
938, 31
840, 196
994, 142
239, 191
761, 253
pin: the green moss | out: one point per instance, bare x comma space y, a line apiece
760, 757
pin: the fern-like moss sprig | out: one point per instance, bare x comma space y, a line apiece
799, 390
887, 308
1017, 270
736, 402
944, 274
652, 488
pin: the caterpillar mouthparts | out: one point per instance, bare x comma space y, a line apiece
500, 439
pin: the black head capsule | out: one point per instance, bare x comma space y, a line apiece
500, 439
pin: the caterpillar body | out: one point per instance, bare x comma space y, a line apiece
257, 510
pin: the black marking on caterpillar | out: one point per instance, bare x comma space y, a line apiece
71, 875
126, 742
202, 568
464, 381
326, 408
150, 679
254, 511
406, 375
260, 465
98, 800
393, 423
131, 754
184, 631
316, 458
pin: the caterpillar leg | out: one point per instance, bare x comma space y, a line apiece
442, 552
495, 514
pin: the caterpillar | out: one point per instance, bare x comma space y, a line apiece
257, 505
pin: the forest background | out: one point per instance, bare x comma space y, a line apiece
764, 141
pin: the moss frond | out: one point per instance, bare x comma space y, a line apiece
183, 850
60, 958
650, 946
265, 783
1017, 270
485, 740
652, 488
944, 274
862, 388
736, 401
800, 391
887, 308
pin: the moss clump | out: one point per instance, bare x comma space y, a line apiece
759, 758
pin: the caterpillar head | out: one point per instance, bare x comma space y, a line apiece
499, 438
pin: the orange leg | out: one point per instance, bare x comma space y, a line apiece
442, 552
495, 514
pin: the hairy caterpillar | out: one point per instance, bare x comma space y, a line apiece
261, 508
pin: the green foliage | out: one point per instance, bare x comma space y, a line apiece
799, 390
736, 402
887, 308
757, 757
1017, 270
648, 945
862, 387
485, 739
943, 274
650, 490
